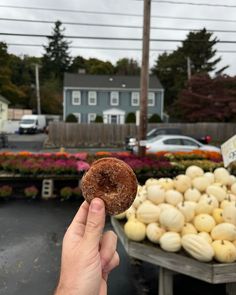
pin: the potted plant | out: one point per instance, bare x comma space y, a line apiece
31, 192
66, 192
5, 191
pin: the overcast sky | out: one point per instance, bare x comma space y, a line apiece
117, 6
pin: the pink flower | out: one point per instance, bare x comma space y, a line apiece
82, 166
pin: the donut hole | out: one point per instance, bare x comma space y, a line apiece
106, 183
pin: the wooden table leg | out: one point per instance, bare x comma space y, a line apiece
165, 282
231, 288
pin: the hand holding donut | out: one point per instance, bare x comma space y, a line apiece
87, 255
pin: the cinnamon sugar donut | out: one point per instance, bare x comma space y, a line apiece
113, 181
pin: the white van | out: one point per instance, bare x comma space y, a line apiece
32, 124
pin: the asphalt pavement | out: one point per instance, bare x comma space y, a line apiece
30, 249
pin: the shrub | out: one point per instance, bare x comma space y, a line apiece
31, 191
99, 119
5, 191
66, 192
155, 118
71, 118
131, 118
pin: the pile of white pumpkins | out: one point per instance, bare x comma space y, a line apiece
195, 211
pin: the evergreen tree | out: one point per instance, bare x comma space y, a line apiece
172, 70
56, 59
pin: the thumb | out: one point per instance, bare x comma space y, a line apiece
95, 223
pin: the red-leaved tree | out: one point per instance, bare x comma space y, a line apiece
207, 99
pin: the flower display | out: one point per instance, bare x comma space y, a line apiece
31, 191
5, 191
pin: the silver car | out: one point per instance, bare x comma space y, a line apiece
176, 143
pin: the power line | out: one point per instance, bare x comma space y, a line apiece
117, 13
192, 3
108, 48
110, 38
114, 26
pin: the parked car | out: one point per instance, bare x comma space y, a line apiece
131, 142
176, 143
32, 124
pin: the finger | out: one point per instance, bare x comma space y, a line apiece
108, 247
95, 223
114, 262
77, 225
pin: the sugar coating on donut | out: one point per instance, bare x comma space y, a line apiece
113, 181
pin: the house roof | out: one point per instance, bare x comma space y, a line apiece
108, 81
3, 99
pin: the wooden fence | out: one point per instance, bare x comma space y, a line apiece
108, 135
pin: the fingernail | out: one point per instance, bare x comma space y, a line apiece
96, 205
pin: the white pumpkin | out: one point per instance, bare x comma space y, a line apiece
164, 206
217, 191
156, 193
147, 212
166, 183
187, 208
210, 176
224, 231
200, 183
170, 241
225, 251
130, 212
182, 183
188, 228
154, 232
135, 230
192, 194
230, 197
225, 203
217, 214
233, 188
229, 213
204, 222
173, 197
121, 215
222, 175
194, 171
210, 198
198, 247
204, 207
139, 199
206, 236
151, 181
172, 219
232, 180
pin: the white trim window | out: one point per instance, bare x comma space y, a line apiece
91, 117
114, 98
76, 97
135, 97
92, 98
78, 116
151, 99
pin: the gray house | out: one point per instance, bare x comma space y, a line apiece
109, 96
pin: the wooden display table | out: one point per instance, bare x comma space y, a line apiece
171, 263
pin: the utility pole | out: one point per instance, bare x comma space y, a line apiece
189, 67
37, 89
144, 77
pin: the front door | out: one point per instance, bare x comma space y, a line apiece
113, 119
